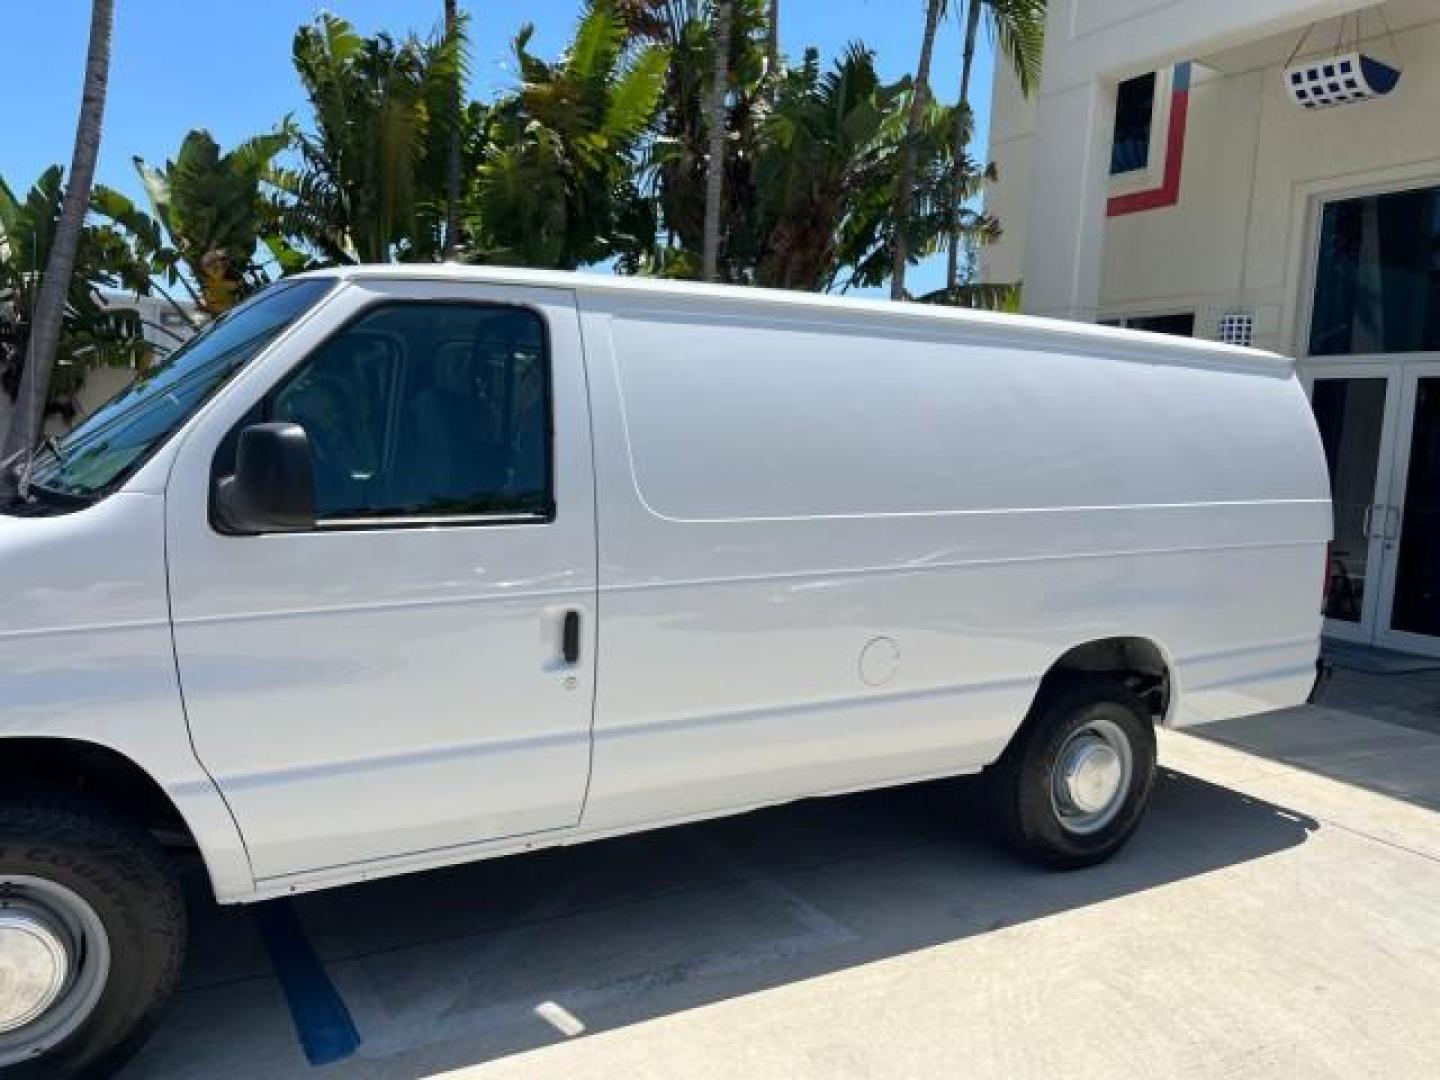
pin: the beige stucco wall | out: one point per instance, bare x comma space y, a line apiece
1256, 168
1012, 127
1120, 38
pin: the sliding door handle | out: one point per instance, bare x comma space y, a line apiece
570, 637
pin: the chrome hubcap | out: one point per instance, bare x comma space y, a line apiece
34, 966
54, 964
1092, 774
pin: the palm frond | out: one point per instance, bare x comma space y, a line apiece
634, 96
982, 296
1019, 30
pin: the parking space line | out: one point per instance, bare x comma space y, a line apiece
323, 1023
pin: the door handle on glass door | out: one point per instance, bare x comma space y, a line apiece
1393, 515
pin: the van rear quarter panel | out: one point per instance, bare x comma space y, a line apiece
842, 549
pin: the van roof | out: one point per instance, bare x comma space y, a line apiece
1105, 338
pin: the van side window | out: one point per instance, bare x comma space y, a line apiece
427, 410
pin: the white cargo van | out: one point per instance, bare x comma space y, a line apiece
397, 567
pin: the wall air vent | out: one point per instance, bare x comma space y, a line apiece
1236, 328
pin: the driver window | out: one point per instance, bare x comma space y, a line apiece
426, 410
342, 399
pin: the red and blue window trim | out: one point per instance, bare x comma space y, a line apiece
1168, 192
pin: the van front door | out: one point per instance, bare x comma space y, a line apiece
398, 679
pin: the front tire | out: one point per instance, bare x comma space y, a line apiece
92, 933
1073, 784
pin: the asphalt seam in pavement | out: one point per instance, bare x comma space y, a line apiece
1361, 833
1298, 769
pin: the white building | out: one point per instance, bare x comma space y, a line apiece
1171, 174
163, 328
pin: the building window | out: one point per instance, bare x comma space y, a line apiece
1179, 323
1134, 118
1377, 275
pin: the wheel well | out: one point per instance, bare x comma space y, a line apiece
28, 764
1135, 661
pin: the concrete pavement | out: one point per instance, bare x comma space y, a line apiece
1278, 914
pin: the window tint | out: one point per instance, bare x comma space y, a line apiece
103, 450
1377, 275
1134, 112
424, 410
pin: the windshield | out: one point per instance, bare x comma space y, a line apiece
118, 436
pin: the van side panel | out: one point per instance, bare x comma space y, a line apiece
843, 551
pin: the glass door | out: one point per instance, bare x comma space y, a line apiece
1375, 309
1409, 535
1355, 406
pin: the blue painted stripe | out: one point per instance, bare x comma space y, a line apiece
1180, 84
327, 1032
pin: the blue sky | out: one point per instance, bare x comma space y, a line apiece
180, 64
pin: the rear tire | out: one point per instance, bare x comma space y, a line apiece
98, 892
1075, 781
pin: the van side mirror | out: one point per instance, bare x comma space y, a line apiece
273, 487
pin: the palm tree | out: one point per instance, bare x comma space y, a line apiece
27, 423
676, 156
867, 246
91, 331
452, 157
920, 95
555, 185
207, 217
715, 159
1019, 28
828, 157
772, 39
376, 103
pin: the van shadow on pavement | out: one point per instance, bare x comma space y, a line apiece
447, 969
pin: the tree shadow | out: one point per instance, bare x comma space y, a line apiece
452, 966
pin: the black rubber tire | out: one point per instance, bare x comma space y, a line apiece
1019, 783
125, 877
